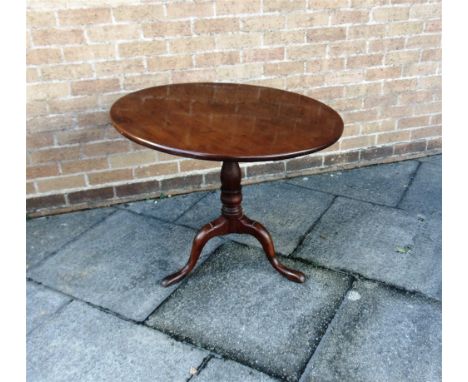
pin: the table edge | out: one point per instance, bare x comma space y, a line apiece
219, 157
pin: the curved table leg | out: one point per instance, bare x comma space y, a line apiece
263, 236
215, 228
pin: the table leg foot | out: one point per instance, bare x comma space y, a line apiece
263, 236
215, 228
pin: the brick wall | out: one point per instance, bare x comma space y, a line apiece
377, 62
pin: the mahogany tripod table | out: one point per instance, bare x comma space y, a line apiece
230, 123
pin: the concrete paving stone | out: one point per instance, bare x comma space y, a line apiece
168, 209
424, 196
85, 344
237, 305
380, 243
46, 235
379, 334
285, 210
119, 264
382, 184
433, 159
221, 370
41, 304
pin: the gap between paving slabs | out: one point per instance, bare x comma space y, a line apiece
379, 334
365, 239
224, 367
89, 348
382, 184
394, 286
45, 236
355, 277
304, 235
119, 263
240, 308
267, 264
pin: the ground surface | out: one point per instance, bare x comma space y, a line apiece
368, 240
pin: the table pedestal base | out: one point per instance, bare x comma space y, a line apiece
232, 220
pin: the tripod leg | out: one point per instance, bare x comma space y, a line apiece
215, 228
263, 236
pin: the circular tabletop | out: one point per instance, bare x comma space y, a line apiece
226, 122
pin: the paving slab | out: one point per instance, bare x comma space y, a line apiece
41, 304
218, 370
432, 159
381, 243
382, 184
379, 334
285, 210
237, 305
424, 196
169, 208
84, 344
46, 235
119, 264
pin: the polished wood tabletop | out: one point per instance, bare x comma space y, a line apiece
226, 122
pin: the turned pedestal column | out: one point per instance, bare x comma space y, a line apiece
232, 220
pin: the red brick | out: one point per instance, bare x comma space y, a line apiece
42, 171
43, 56
167, 28
83, 165
91, 196
411, 147
344, 158
326, 34
105, 148
43, 202
39, 140
303, 163
263, 54
221, 25
217, 58
58, 36
95, 86
376, 153
137, 188
109, 176
55, 154
265, 169
156, 169
188, 182
84, 16
283, 6
60, 183
230, 7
